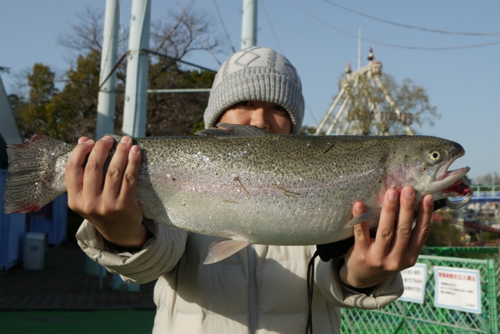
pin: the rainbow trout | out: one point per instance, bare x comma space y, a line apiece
252, 187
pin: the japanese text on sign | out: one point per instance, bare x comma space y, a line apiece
414, 280
457, 289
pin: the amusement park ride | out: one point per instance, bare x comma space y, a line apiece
357, 110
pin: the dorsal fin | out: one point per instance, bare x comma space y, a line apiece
225, 130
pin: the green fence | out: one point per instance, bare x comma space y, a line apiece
408, 317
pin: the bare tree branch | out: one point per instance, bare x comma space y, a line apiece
85, 35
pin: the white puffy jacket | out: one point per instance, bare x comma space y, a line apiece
261, 289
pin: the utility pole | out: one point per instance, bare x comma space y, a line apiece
359, 48
249, 24
134, 114
106, 98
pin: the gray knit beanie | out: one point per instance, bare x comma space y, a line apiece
259, 74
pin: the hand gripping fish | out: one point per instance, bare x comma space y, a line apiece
250, 186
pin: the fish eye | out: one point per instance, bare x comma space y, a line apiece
434, 156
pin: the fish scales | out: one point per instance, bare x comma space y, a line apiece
288, 188
246, 184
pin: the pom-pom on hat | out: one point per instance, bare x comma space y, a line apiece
258, 74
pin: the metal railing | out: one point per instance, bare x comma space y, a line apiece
481, 190
408, 317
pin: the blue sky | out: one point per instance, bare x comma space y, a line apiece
462, 83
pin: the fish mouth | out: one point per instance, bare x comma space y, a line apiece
462, 188
451, 184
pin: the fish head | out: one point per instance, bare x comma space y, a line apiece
427, 162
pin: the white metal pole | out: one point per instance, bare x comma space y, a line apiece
329, 112
134, 114
249, 24
106, 98
337, 116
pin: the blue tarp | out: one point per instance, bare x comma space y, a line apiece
12, 232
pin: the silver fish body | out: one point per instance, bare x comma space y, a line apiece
245, 184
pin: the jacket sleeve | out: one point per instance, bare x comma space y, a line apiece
338, 294
158, 256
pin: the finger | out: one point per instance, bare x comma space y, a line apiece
361, 231
131, 174
385, 230
94, 170
114, 175
423, 226
403, 231
75, 168
82, 140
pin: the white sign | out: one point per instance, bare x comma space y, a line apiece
414, 280
457, 289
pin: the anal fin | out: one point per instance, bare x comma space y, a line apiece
367, 216
219, 250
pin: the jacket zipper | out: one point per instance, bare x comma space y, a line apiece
252, 268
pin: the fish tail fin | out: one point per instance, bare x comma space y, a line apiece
35, 175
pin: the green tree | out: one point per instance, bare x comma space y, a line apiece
444, 234
76, 104
63, 115
34, 113
17, 103
176, 113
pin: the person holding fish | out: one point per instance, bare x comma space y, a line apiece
253, 288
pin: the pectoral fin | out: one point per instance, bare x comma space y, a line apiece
219, 250
367, 216
375, 214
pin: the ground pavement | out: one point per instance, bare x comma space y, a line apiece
63, 285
